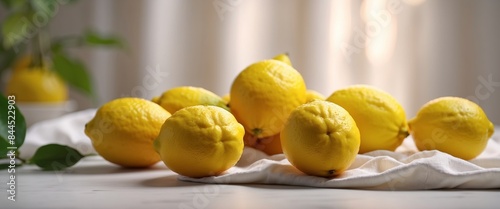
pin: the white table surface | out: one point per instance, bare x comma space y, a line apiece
95, 183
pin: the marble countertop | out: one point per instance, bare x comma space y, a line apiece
95, 183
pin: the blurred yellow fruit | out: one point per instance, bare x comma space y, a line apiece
453, 125
380, 118
123, 131
270, 145
200, 141
226, 98
184, 96
284, 58
264, 94
321, 139
313, 95
37, 84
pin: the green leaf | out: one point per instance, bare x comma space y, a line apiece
4, 166
12, 125
13, 4
3, 149
58, 44
55, 157
73, 72
18, 28
92, 38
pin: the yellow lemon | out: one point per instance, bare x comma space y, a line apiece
264, 94
270, 145
37, 84
123, 130
313, 95
184, 96
25, 61
380, 118
199, 141
453, 125
321, 139
226, 98
284, 58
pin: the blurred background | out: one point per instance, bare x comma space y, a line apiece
417, 50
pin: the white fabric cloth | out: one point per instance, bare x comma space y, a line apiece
404, 169
66, 130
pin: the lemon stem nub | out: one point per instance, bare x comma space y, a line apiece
256, 132
403, 133
331, 172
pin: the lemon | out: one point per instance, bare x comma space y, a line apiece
321, 139
226, 98
270, 145
453, 125
284, 58
380, 118
199, 141
123, 130
37, 84
184, 96
312, 95
264, 94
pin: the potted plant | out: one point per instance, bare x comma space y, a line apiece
38, 68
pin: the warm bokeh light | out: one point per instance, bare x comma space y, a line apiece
381, 47
414, 2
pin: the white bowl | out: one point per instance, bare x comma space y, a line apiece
39, 111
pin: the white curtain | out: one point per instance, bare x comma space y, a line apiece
416, 50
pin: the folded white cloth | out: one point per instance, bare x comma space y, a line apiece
404, 169
65, 130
